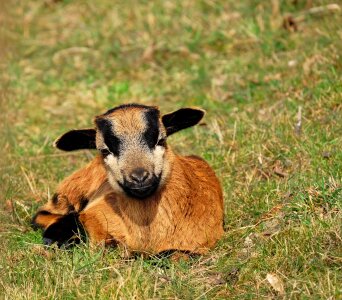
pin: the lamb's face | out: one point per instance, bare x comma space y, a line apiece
132, 142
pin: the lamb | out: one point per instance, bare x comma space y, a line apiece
136, 192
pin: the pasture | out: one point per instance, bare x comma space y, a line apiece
269, 75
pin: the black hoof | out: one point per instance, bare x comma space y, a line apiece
47, 242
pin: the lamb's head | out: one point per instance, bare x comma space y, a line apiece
132, 142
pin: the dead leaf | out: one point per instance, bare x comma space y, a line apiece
271, 77
248, 242
279, 172
164, 278
178, 256
9, 205
149, 52
326, 154
272, 213
276, 283
290, 23
272, 227
215, 279
233, 275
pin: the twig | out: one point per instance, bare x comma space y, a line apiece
29, 182
333, 7
298, 126
233, 141
290, 22
73, 51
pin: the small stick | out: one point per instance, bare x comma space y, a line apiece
298, 127
290, 22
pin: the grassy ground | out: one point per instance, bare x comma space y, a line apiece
272, 133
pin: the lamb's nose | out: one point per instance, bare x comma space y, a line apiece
139, 175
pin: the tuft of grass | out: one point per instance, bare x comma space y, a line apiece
272, 133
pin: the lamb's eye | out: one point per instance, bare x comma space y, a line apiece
105, 152
161, 142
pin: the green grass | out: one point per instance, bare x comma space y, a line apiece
67, 61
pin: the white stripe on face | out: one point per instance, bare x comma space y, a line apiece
113, 166
158, 158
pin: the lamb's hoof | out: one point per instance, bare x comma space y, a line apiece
47, 241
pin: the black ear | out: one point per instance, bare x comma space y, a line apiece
181, 119
76, 140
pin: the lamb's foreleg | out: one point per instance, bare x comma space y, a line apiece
59, 216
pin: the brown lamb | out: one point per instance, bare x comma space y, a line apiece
136, 193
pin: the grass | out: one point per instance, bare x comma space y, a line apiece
66, 61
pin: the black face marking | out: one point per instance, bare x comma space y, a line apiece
133, 105
151, 133
66, 231
112, 141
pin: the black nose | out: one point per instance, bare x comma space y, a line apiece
140, 184
139, 175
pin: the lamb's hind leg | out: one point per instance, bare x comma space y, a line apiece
97, 221
60, 222
66, 231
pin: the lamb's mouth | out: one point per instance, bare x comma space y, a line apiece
139, 191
